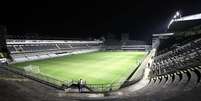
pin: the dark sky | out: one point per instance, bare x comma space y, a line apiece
95, 18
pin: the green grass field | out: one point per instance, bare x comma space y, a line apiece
95, 68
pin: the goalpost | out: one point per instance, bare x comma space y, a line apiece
32, 69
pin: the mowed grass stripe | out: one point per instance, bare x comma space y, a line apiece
96, 68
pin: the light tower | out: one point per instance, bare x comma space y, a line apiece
177, 15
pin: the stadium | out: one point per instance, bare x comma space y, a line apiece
37, 68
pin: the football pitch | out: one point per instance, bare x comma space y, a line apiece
94, 68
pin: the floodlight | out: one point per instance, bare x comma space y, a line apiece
177, 13
175, 16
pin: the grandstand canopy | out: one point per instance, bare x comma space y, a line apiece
185, 23
163, 34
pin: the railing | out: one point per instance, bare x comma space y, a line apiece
38, 77
105, 87
66, 84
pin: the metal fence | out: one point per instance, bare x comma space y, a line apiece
38, 77
65, 84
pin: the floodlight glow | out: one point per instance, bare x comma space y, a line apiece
177, 13
175, 17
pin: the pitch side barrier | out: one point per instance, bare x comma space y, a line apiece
65, 85
37, 77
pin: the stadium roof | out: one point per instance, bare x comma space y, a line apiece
190, 17
162, 34
184, 23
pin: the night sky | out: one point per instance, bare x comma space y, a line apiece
93, 18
